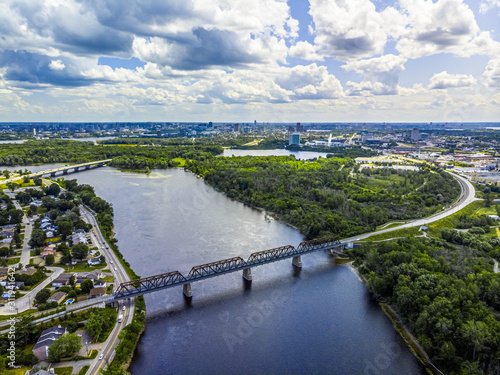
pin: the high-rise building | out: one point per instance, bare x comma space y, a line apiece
294, 139
415, 135
300, 128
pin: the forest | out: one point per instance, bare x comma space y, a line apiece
126, 157
327, 196
446, 294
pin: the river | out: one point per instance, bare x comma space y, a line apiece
321, 320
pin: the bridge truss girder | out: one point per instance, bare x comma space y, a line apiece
265, 255
215, 267
149, 283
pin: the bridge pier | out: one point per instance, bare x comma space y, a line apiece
65, 171
297, 262
87, 167
76, 169
186, 289
247, 274
53, 174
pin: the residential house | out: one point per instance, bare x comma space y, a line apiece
100, 284
27, 271
16, 284
62, 279
3, 272
41, 348
94, 275
57, 297
94, 261
97, 292
78, 282
48, 251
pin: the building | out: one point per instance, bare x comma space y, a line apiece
94, 261
47, 251
300, 128
63, 279
294, 139
41, 348
415, 135
100, 284
97, 292
57, 297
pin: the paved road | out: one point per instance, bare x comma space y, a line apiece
24, 303
467, 196
126, 307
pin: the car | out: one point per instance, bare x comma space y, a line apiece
100, 357
116, 269
123, 308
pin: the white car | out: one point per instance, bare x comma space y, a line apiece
100, 357
123, 308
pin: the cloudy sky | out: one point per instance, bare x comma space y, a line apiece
240, 60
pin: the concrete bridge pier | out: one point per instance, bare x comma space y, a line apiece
186, 289
77, 169
87, 167
297, 262
53, 174
65, 171
247, 274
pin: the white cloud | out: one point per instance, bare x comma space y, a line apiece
381, 75
305, 51
487, 5
492, 73
348, 29
442, 26
444, 80
57, 65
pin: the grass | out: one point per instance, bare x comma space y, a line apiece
451, 221
83, 370
109, 279
63, 370
404, 232
53, 239
82, 267
13, 260
181, 161
93, 354
393, 225
17, 371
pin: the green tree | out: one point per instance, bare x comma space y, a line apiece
65, 346
38, 238
49, 260
80, 251
86, 286
94, 325
38, 181
53, 189
42, 296
16, 238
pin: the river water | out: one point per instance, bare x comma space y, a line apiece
321, 320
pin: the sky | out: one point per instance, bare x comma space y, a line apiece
240, 61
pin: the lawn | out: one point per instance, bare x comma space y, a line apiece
83, 371
13, 260
181, 161
82, 267
109, 279
17, 371
63, 370
404, 232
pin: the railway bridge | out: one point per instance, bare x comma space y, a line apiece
175, 278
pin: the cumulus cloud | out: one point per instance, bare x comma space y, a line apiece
492, 73
305, 51
442, 26
487, 5
381, 75
57, 65
444, 80
348, 29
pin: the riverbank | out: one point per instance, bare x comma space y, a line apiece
399, 326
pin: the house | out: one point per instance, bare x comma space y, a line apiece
41, 348
49, 234
27, 271
48, 251
100, 284
57, 297
94, 261
62, 279
94, 275
78, 238
16, 284
8, 233
3, 272
97, 292
78, 282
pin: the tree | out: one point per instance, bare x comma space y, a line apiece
38, 238
32, 210
16, 238
64, 346
11, 186
49, 260
86, 286
38, 181
42, 296
16, 216
54, 189
80, 251
65, 228
94, 326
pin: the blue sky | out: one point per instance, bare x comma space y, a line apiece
235, 60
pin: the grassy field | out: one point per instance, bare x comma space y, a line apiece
19, 184
17, 371
404, 232
13, 260
63, 370
83, 370
392, 225
181, 161
82, 267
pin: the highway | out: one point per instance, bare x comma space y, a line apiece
466, 197
125, 307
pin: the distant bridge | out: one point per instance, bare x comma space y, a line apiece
175, 278
65, 170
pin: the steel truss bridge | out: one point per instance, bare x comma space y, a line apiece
171, 279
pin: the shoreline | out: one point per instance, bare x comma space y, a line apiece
400, 327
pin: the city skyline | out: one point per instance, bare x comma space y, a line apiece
273, 61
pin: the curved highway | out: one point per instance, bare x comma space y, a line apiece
467, 196
125, 308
